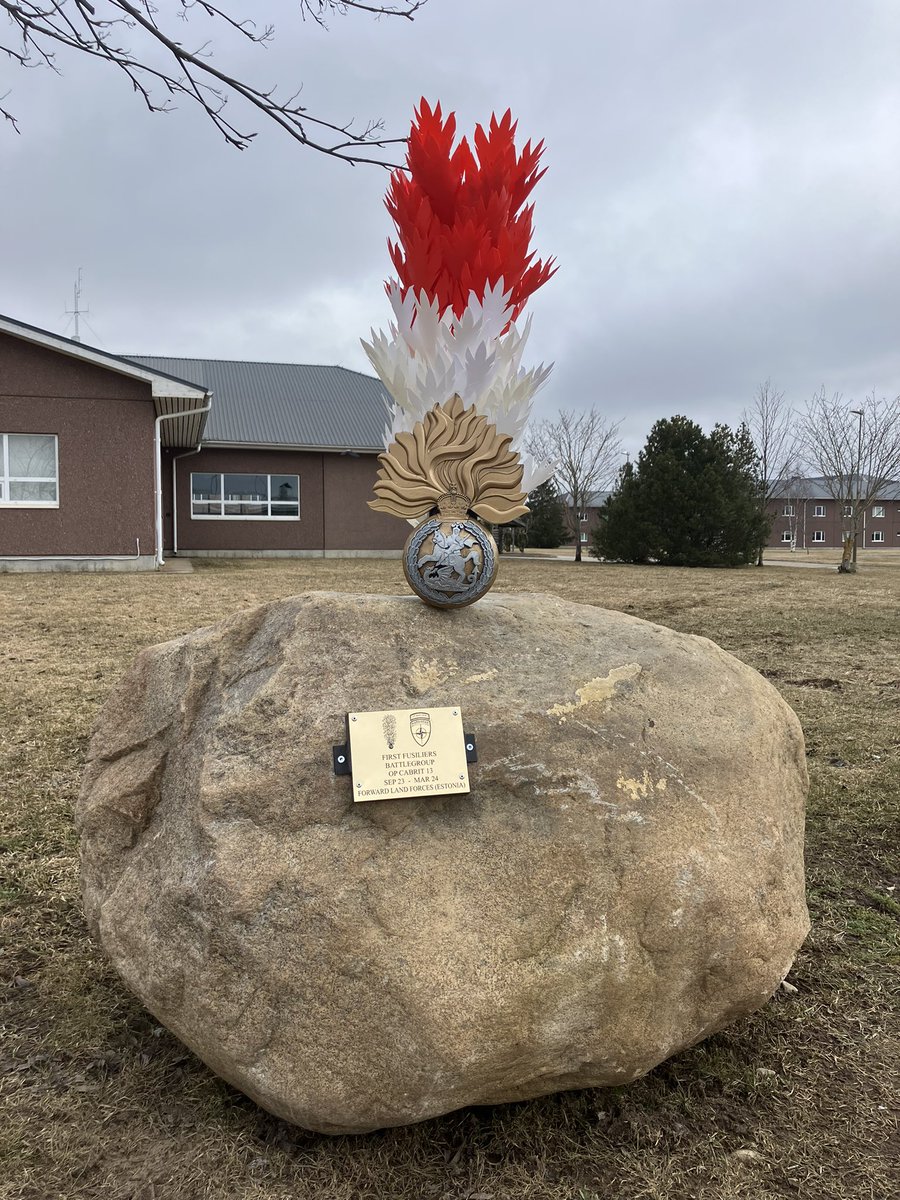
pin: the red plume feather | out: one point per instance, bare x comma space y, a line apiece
461, 218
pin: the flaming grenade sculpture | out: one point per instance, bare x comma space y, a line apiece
451, 362
455, 461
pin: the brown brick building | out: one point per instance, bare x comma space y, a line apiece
585, 521
806, 517
108, 463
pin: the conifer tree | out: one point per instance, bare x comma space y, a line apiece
547, 519
691, 500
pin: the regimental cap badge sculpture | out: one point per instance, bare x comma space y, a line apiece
454, 461
460, 400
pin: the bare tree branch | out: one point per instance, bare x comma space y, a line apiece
855, 447
318, 9
7, 115
773, 429
586, 449
96, 28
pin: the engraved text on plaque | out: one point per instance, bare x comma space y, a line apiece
407, 752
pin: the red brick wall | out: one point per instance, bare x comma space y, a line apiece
805, 524
104, 425
588, 527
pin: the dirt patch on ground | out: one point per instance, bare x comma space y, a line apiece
97, 1101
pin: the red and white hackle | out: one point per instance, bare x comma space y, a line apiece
465, 272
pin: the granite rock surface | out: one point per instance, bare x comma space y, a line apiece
624, 878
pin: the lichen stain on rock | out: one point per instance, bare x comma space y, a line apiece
640, 789
597, 691
484, 677
423, 675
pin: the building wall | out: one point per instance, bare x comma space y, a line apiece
334, 515
804, 525
104, 427
349, 522
584, 527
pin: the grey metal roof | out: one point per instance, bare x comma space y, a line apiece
594, 500
285, 404
818, 487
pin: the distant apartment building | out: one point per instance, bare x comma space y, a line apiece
581, 524
805, 516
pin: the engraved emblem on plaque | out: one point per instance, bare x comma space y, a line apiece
420, 727
389, 728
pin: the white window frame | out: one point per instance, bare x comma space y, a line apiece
788, 510
583, 518
224, 516
786, 536
818, 536
877, 535
847, 510
583, 538
819, 510
877, 511
5, 480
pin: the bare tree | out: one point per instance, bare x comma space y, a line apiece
586, 449
101, 28
774, 432
857, 452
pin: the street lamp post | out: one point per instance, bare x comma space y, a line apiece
857, 412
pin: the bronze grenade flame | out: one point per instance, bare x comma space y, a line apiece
454, 470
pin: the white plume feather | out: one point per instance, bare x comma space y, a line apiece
427, 358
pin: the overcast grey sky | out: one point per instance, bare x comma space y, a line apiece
723, 196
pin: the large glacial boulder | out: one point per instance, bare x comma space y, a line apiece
625, 877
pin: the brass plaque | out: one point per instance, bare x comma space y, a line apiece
407, 752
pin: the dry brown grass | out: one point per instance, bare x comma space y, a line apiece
799, 1100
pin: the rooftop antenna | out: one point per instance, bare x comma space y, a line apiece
77, 311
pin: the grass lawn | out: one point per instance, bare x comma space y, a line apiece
802, 1099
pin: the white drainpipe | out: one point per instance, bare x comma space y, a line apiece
157, 467
175, 458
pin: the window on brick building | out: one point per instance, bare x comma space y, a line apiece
245, 497
29, 472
